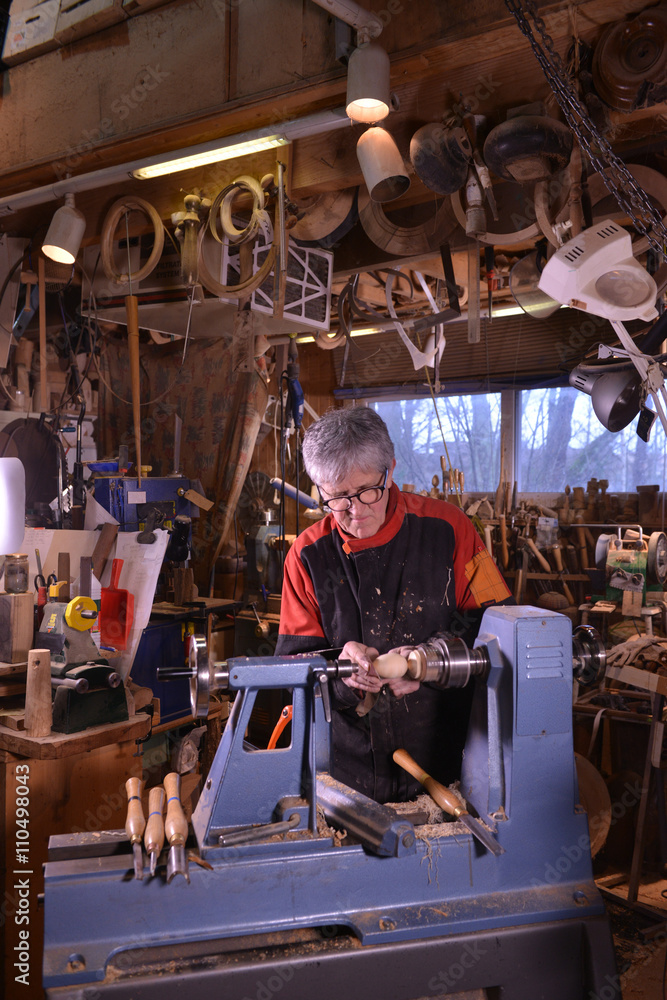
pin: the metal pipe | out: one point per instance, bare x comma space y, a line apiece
364, 21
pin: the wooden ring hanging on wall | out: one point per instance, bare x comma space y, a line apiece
404, 241
651, 181
212, 285
113, 217
223, 205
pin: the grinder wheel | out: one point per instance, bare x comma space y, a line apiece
656, 564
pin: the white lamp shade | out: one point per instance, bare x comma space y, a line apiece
382, 165
12, 504
595, 271
64, 236
368, 96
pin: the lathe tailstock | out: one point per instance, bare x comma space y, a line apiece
396, 914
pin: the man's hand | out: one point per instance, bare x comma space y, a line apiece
400, 686
365, 679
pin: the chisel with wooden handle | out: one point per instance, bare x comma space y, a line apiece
154, 835
135, 823
558, 557
447, 801
175, 828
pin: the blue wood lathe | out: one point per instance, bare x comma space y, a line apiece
390, 912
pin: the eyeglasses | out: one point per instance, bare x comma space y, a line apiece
369, 496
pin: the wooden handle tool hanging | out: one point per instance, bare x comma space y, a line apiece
132, 313
447, 801
558, 557
504, 550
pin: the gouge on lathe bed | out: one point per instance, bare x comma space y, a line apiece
135, 823
447, 801
154, 835
175, 828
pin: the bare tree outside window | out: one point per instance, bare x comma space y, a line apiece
471, 427
561, 442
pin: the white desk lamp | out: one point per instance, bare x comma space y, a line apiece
596, 272
12, 504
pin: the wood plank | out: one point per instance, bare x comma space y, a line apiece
59, 745
638, 678
10, 669
9, 688
13, 720
16, 626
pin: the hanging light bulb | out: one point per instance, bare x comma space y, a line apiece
65, 233
368, 98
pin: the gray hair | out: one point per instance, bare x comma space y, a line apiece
346, 439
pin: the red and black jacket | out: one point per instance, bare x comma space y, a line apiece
426, 571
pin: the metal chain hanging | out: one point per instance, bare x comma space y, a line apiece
615, 174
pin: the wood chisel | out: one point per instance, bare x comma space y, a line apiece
154, 835
175, 828
135, 823
447, 801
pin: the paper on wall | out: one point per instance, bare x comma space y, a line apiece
139, 574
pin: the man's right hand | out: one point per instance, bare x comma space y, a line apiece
365, 679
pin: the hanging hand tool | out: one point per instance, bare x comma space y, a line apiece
491, 280
448, 802
135, 823
504, 551
175, 828
42, 587
561, 570
154, 835
132, 316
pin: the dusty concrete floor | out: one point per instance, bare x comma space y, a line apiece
640, 939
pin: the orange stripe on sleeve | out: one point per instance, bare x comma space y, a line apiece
486, 584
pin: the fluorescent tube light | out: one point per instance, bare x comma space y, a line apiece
216, 155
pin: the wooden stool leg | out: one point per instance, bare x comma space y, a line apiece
653, 754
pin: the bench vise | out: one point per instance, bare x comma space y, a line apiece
87, 691
392, 909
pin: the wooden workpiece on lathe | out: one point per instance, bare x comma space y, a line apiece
390, 665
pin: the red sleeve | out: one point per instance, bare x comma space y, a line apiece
299, 610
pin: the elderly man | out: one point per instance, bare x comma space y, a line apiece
383, 571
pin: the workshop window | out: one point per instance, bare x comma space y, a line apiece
471, 429
561, 442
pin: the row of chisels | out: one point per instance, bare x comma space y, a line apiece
154, 831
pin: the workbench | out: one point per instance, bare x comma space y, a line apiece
76, 783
